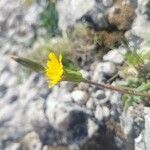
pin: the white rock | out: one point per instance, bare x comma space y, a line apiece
126, 121
139, 142
90, 104
107, 3
85, 74
114, 56
80, 97
13, 146
31, 141
99, 113
12, 81
57, 115
108, 68
3, 90
6, 112
4, 77
71, 10
147, 127
92, 127
34, 111
106, 111
99, 94
83, 86
99, 18
62, 121
115, 98
98, 76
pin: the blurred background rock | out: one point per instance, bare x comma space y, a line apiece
70, 116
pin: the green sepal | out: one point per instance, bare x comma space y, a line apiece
73, 76
29, 63
68, 64
71, 72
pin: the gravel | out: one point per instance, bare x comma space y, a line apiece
67, 114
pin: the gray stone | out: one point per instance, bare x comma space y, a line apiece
66, 97
4, 77
140, 26
80, 97
99, 113
92, 128
90, 104
12, 81
99, 94
115, 98
139, 142
70, 120
114, 111
96, 18
147, 127
69, 86
126, 121
3, 90
107, 3
105, 111
31, 141
108, 68
101, 101
83, 86
6, 112
98, 76
85, 74
134, 3
14, 146
72, 10
114, 56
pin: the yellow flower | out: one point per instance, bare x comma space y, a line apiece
54, 70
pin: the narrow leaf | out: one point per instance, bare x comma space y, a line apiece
28, 63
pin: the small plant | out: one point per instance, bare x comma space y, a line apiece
137, 72
61, 69
49, 18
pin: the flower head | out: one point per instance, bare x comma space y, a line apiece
54, 69
61, 70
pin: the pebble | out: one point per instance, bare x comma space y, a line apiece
71, 118
90, 104
92, 128
147, 127
114, 56
98, 76
107, 68
5, 76
99, 94
66, 97
80, 97
107, 3
83, 86
99, 113
115, 98
3, 90
105, 111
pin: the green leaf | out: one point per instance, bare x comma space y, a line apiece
72, 75
133, 58
68, 64
146, 55
29, 63
144, 87
147, 38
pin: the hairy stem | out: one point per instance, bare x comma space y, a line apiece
118, 89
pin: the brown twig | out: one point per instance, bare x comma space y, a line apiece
118, 89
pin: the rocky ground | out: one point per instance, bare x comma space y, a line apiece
68, 116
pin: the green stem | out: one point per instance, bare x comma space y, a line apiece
118, 89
